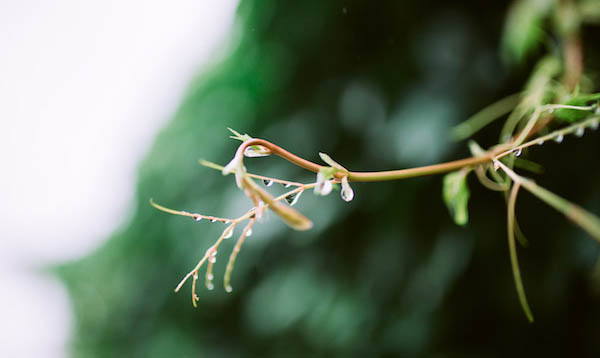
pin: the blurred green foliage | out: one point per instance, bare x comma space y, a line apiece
456, 194
570, 115
377, 85
523, 29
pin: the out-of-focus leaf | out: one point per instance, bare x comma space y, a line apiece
529, 165
589, 10
539, 89
456, 196
523, 28
486, 116
572, 115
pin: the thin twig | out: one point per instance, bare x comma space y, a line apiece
513, 251
586, 220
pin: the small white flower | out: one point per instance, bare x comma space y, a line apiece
324, 185
347, 192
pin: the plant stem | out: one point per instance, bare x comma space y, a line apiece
513, 251
575, 213
586, 220
573, 61
371, 176
572, 49
418, 171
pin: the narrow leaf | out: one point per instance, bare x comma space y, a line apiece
291, 216
572, 115
484, 117
456, 195
332, 163
238, 136
210, 164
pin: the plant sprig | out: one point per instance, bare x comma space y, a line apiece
291, 196
552, 96
482, 161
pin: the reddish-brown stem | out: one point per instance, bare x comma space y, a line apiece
370, 176
275, 149
567, 15
573, 61
418, 171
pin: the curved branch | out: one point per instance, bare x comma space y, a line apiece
370, 176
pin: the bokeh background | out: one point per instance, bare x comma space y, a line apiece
377, 85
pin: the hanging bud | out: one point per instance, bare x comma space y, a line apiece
347, 192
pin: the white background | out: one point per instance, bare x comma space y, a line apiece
84, 88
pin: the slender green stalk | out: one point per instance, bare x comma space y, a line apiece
591, 122
586, 220
525, 133
513, 251
487, 182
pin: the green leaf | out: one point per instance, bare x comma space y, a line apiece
523, 28
238, 136
475, 148
456, 195
573, 115
332, 163
539, 89
486, 116
589, 10
327, 172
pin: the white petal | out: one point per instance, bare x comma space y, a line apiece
320, 182
326, 189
